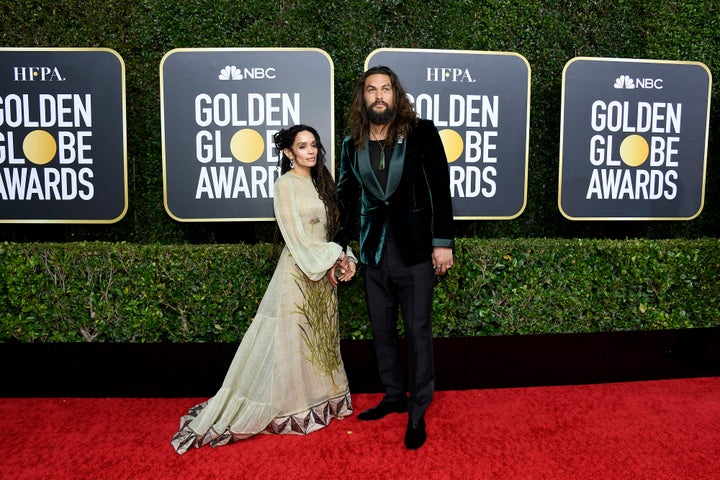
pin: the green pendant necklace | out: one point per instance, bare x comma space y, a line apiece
381, 144
381, 162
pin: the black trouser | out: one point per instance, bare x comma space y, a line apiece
388, 285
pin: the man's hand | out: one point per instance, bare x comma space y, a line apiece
442, 259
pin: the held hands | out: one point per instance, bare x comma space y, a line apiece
343, 271
442, 260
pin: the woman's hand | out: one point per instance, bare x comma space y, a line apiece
342, 271
348, 272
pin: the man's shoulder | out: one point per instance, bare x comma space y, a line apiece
422, 130
425, 123
347, 142
422, 127
348, 145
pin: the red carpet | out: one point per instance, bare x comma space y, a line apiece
666, 429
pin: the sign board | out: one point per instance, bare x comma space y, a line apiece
220, 110
63, 154
480, 104
633, 140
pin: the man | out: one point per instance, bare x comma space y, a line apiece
395, 164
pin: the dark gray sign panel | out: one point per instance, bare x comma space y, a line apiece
63, 155
633, 140
480, 103
220, 110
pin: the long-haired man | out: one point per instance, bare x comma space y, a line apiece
394, 164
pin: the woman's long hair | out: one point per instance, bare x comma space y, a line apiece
321, 178
404, 116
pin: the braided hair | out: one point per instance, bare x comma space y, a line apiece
321, 178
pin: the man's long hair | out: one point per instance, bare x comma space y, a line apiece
403, 118
321, 178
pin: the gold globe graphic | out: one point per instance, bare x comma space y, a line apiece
453, 144
39, 147
247, 145
634, 150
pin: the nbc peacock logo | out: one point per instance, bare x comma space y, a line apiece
624, 82
232, 72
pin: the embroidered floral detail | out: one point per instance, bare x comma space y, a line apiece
314, 221
321, 331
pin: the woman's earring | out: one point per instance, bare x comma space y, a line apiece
292, 164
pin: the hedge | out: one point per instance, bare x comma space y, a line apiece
181, 282
115, 292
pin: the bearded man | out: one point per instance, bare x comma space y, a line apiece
394, 164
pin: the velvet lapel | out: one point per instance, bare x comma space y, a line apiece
370, 181
394, 173
396, 167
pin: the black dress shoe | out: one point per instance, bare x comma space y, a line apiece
415, 435
383, 408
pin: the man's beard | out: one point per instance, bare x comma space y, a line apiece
379, 118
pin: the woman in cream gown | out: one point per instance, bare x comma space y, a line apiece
287, 375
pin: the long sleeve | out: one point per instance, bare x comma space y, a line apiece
300, 214
348, 189
438, 178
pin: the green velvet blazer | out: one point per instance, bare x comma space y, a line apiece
416, 203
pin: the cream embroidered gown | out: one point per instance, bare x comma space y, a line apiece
287, 375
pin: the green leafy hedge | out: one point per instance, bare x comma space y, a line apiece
160, 289
132, 293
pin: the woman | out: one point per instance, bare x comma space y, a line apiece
287, 375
